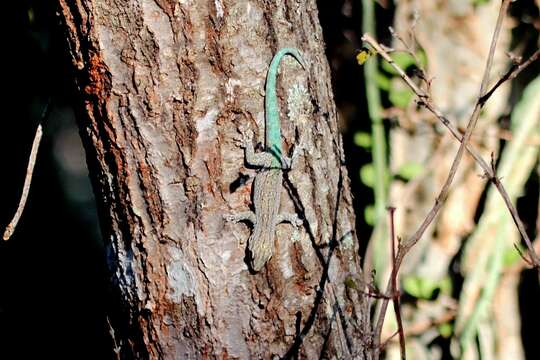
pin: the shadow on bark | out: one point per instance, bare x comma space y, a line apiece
293, 351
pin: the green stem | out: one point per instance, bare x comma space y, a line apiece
379, 142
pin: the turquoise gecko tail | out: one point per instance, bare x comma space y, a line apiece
272, 124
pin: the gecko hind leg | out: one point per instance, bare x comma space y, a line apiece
290, 218
294, 220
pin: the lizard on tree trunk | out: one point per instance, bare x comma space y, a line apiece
268, 182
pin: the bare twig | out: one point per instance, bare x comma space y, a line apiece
29, 171
27, 180
385, 342
407, 245
411, 50
511, 74
375, 295
395, 289
425, 100
392, 294
117, 348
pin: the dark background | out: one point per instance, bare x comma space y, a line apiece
54, 292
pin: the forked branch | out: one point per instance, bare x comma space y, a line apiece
425, 100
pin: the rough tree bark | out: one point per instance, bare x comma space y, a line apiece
164, 87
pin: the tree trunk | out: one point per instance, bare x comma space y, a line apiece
164, 87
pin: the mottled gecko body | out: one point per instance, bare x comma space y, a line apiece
268, 182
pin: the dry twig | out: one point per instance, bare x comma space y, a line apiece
28, 179
395, 290
512, 73
117, 347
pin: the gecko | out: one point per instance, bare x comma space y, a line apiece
267, 186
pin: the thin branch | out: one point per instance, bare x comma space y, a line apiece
411, 49
385, 342
395, 289
374, 295
426, 101
512, 73
392, 294
28, 179
117, 348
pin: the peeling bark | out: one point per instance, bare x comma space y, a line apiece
164, 86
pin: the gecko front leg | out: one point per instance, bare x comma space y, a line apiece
248, 216
262, 159
255, 159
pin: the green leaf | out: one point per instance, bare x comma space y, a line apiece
445, 330
446, 285
362, 139
410, 170
399, 95
367, 175
422, 57
369, 215
402, 59
419, 287
412, 286
511, 255
383, 81
479, 2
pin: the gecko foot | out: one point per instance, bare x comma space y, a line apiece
244, 138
